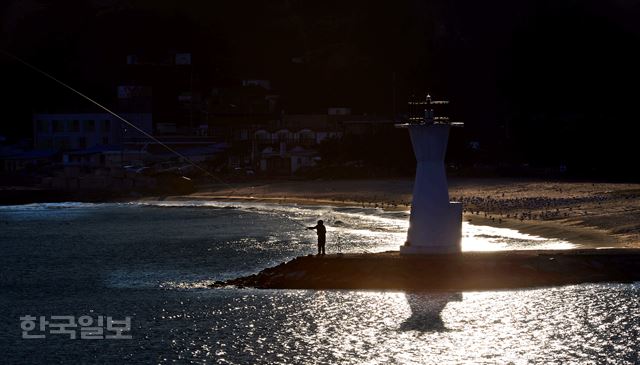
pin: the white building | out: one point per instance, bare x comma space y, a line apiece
77, 131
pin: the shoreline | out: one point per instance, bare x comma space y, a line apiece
575, 229
584, 213
579, 235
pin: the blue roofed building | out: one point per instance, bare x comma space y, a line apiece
13, 160
78, 131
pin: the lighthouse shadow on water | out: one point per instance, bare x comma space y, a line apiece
426, 311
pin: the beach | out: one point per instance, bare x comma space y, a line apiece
589, 214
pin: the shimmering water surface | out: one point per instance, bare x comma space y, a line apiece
152, 261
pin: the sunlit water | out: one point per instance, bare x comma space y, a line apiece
153, 262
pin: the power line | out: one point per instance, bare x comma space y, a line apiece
185, 158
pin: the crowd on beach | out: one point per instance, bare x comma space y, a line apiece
529, 208
500, 207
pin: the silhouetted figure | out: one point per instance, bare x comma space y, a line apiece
322, 235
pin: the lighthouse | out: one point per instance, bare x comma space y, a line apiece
435, 224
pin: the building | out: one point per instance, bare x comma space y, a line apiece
339, 111
367, 126
79, 131
105, 156
283, 144
13, 161
286, 145
285, 162
172, 85
265, 84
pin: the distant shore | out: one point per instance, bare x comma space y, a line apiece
586, 214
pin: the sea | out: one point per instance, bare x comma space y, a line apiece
129, 283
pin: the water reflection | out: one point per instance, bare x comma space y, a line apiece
426, 310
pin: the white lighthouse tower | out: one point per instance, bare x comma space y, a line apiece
435, 225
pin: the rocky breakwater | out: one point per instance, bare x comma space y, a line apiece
465, 271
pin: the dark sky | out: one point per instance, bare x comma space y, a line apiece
566, 71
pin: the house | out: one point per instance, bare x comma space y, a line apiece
13, 161
366, 125
78, 131
283, 162
339, 111
285, 145
265, 84
104, 156
197, 153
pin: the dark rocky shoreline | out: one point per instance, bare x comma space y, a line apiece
465, 271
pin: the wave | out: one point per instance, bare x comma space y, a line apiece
377, 218
43, 206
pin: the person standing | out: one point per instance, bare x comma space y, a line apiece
321, 230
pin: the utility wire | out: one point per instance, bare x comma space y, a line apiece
185, 158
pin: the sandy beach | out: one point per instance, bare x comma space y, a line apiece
584, 213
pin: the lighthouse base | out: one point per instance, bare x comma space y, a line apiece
429, 250
435, 232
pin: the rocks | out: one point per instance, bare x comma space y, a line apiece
466, 271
